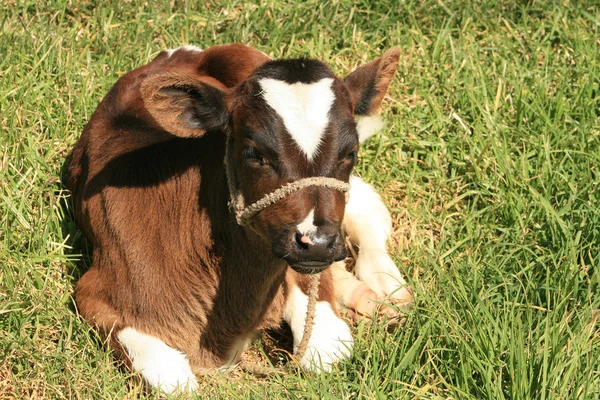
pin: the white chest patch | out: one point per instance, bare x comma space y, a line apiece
304, 109
331, 339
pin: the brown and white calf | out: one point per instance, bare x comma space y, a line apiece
176, 284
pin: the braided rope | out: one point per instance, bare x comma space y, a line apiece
247, 213
313, 293
243, 214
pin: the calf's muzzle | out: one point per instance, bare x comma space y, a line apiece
310, 254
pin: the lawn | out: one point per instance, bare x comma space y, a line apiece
490, 162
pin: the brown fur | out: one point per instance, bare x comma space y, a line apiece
150, 192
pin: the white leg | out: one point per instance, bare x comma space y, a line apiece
345, 284
368, 224
330, 341
355, 296
161, 366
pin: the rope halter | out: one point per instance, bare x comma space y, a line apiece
244, 213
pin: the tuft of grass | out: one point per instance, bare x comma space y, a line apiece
490, 163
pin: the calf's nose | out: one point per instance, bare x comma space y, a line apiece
318, 247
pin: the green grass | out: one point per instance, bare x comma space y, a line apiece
490, 162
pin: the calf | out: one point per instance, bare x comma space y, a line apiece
180, 281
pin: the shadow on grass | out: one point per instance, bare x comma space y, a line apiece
79, 250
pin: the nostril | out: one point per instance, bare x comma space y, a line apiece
332, 242
314, 249
304, 241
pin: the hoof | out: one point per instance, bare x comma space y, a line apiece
366, 304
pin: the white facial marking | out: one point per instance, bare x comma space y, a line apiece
304, 109
187, 47
330, 341
307, 226
161, 366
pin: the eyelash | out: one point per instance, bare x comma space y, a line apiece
351, 157
251, 153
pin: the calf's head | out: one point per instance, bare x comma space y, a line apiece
289, 120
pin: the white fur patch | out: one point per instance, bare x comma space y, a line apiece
161, 366
367, 220
368, 126
187, 47
308, 225
304, 109
377, 269
331, 340
368, 224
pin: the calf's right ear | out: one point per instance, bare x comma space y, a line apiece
184, 106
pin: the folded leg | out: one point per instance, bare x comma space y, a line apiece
163, 367
160, 365
356, 298
368, 224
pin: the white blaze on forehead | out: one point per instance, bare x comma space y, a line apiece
304, 109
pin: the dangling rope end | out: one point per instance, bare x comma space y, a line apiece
313, 294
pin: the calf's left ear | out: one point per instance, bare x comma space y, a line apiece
183, 105
368, 84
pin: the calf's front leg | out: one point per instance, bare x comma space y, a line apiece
368, 224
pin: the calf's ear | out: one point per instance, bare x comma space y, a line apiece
184, 106
368, 84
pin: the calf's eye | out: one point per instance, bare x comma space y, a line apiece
352, 156
252, 154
